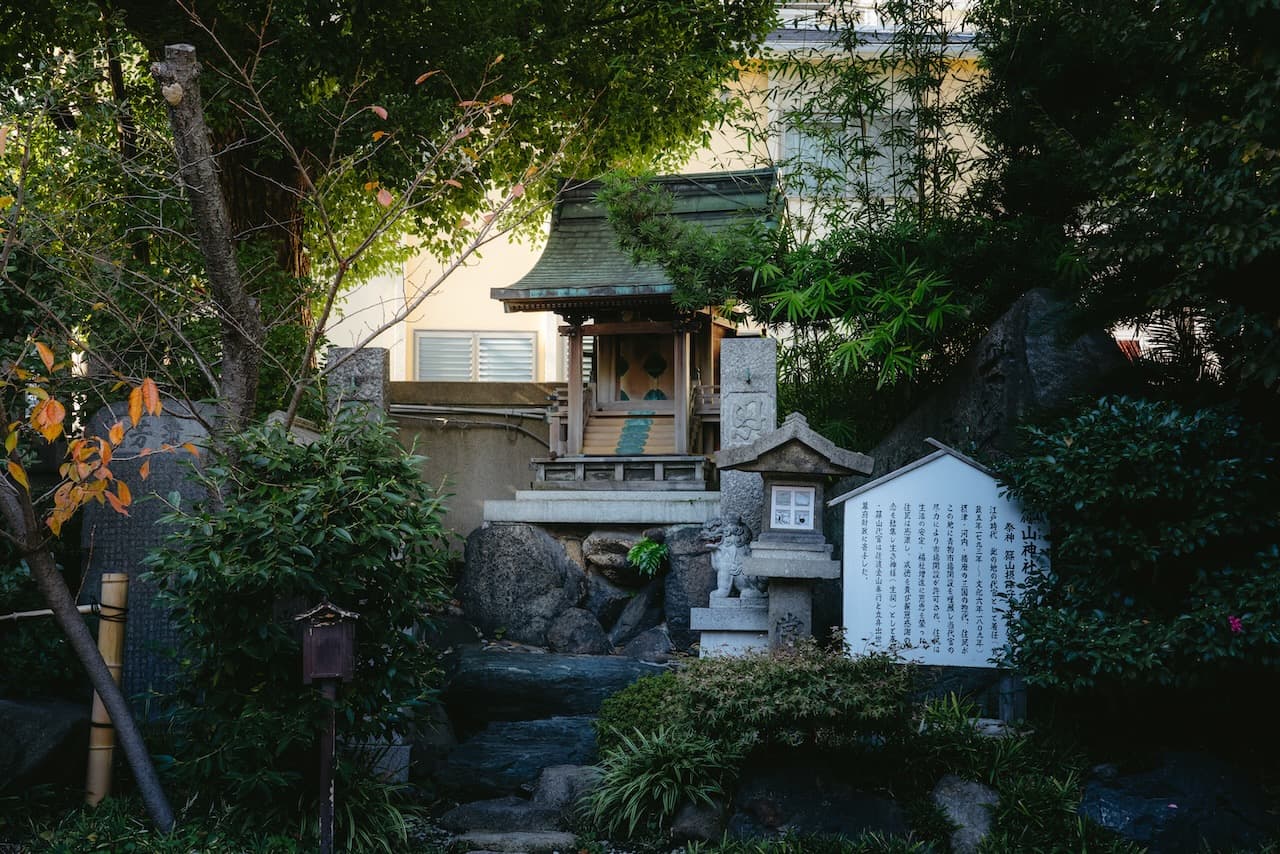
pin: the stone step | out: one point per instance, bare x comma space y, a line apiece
507, 757
501, 815
521, 842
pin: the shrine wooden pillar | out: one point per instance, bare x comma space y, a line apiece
681, 391
577, 417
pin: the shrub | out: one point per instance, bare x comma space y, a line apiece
804, 695
642, 707
1165, 559
345, 518
648, 776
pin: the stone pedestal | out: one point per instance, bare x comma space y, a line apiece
731, 626
791, 564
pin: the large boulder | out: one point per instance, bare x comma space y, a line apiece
494, 685
605, 599
506, 757
653, 645
690, 581
1186, 802
517, 580
606, 553
1023, 365
642, 613
578, 632
967, 805
42, 740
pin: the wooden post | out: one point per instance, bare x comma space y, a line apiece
681, 392
577, 416
102, 736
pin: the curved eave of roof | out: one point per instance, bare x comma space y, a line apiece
582, 264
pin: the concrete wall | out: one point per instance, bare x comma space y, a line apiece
478, 438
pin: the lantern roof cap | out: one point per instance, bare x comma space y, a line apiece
327, 612
796, 448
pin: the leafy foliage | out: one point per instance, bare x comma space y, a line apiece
648, 776
35, 659
1141, 144
364, 532
647, 556
1165, 565
641, 707
801, 696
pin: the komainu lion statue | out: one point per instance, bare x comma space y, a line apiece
728, 538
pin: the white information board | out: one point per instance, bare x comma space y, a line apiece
931, 553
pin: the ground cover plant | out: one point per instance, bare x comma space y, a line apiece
858, 716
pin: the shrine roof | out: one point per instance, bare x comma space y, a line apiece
582, 265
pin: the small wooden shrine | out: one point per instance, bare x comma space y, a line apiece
641, 409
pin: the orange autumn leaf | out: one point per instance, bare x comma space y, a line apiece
424, 76
453, 182
191, 449
116, 504
123, 493
135, 406
46, 355
151, 397
116, 433
378, 134
19, 474
47, 417
145, 470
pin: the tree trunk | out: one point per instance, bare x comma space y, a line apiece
20, 519
243, 337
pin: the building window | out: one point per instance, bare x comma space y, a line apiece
476, 356
821, 157
792, 507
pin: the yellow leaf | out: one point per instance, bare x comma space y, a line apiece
46, 355
135, 405
378, 134
10, 442
116, 433
17, 473
144, 471
5, 201
55, 524
191, 449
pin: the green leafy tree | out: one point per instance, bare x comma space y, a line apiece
1138, 147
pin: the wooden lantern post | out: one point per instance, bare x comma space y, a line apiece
328, 657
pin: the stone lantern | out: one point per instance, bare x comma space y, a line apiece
792, 552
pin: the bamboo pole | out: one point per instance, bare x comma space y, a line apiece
102, 735
43, 612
